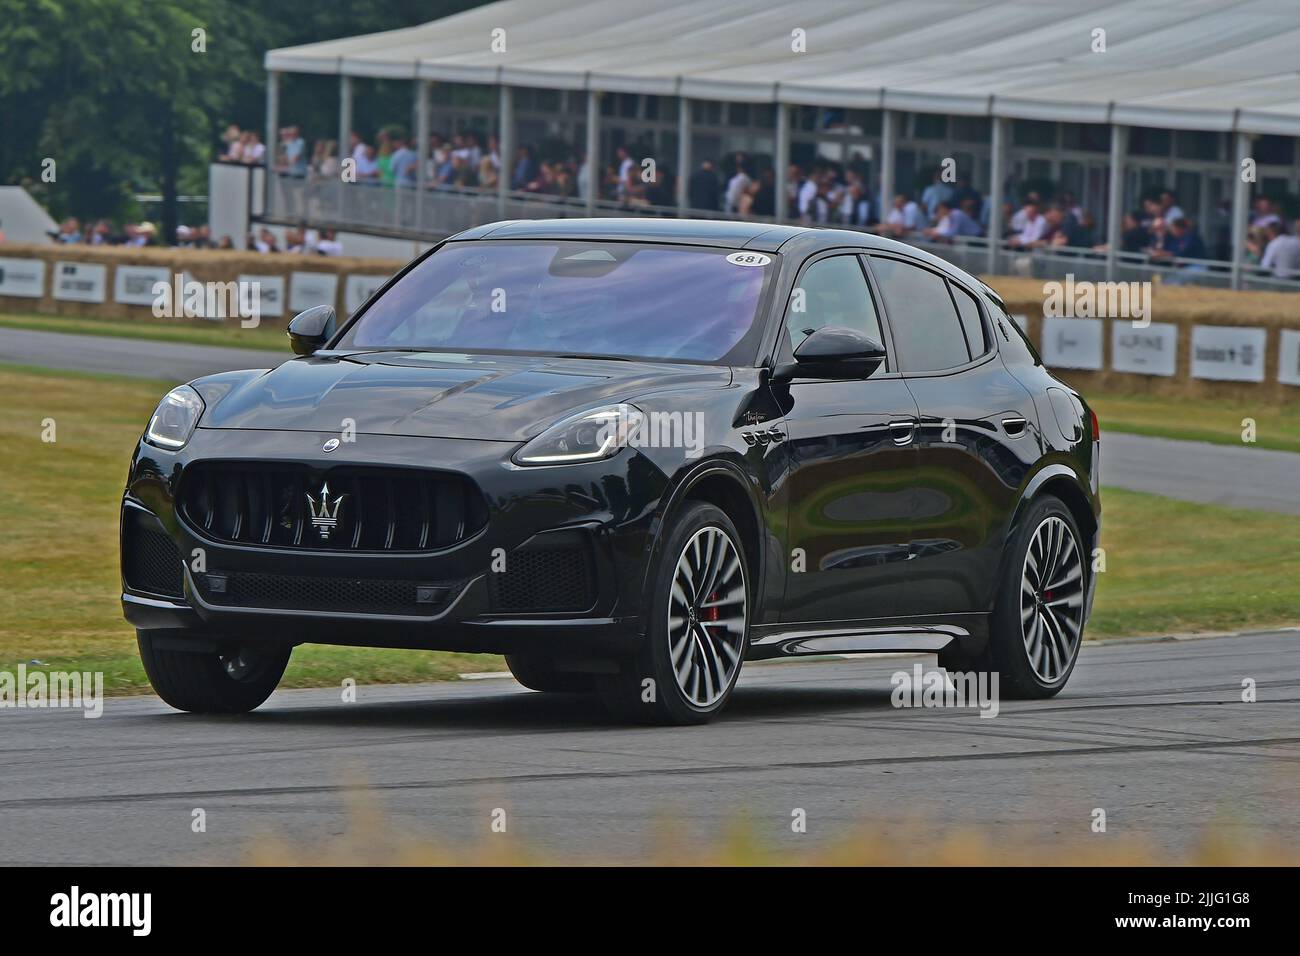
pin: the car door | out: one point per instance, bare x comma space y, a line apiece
849, 447
976, 440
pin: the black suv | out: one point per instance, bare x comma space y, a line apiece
628, 455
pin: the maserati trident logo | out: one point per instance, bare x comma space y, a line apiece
323, 517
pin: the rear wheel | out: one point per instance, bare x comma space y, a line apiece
538, 673
697, 627
1039, 616
233, 681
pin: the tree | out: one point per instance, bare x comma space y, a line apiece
123, 95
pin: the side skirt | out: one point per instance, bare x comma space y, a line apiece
966, 633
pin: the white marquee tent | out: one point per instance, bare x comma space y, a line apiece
1212, 66
1182, 64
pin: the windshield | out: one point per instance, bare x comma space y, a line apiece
668, 302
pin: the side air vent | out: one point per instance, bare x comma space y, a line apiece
554, 572
151, 561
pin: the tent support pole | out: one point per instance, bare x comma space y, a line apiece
1115, 201
1240, 210
506, 142
781, 163
997, 177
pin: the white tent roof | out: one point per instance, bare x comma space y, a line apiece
1182, 64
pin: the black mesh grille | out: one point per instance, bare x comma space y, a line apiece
552, 573
150, 560
366, 509
311, 593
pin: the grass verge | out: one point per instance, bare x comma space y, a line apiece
1218, 422
228, 332
1170, 566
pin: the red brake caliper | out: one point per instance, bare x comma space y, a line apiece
711, 613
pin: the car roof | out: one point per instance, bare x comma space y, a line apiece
799, 241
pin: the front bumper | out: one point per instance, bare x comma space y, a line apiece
609, 506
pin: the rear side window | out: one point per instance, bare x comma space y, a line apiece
971, 325
928, 334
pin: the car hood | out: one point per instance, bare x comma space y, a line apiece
440, 394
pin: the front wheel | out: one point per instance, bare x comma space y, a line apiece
697, 628
1039, 616
234, 681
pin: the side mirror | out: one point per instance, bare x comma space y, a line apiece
833, 352
311, 329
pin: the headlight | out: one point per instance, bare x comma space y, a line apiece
175, 419
589, 436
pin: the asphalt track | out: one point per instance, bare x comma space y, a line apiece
1155, 734
1245, 477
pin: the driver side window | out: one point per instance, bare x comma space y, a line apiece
832, 292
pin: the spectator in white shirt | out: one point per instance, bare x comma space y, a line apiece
1017, 223
1282, 254
1033, 230
1169, 208
904, 218
937, 192
329, 244
738, 184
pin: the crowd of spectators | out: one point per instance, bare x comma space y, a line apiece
302, 240
818, 193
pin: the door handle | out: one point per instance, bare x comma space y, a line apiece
1014, 427
902, 430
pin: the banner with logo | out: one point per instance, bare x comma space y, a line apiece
1288, 358
80, 282
1228, 353
1072, 343
270, 294
307, 289
1144, 351
22, 277
134, 285
358, 289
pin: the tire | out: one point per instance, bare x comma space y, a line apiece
1038, 624
232, 682
538, 673
697, 626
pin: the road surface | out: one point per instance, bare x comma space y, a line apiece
1155, 734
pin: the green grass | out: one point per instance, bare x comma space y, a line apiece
1178, 567
1171, 567
269, 334
1216, 421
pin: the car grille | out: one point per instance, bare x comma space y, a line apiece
553, 572
320, 593
151, 561
367, 509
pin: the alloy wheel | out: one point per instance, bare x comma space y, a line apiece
1051, 599
707, 614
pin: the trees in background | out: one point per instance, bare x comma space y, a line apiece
100, 99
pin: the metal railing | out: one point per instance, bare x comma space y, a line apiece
436, 212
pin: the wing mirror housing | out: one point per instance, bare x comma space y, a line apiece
310, 330
833, 352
